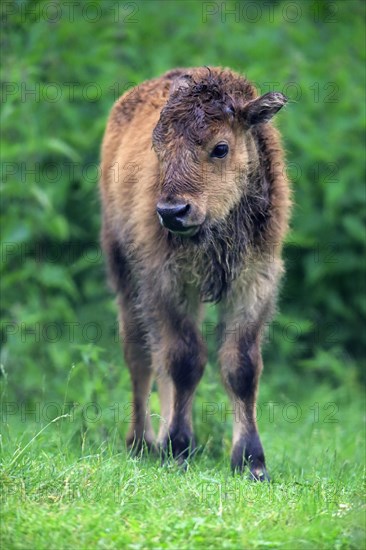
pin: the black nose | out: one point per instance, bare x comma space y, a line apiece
173, 215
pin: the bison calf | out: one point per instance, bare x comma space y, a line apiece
195, 207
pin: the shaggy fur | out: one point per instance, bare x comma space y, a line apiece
158, 146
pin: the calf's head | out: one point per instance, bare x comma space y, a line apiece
205, 147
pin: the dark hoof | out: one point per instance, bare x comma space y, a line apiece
179, 445
259, 474
248, 452
241, 459
256, 473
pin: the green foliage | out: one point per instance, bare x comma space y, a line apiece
60, 76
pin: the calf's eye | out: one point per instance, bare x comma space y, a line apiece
220, 151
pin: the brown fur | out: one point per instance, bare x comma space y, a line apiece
157, 147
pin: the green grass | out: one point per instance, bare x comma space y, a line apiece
74, 486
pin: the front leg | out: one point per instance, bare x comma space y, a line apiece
243, 317
183, 357
241, 367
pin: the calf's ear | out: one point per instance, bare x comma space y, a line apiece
263, 108
180, 83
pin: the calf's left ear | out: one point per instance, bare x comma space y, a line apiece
263, 108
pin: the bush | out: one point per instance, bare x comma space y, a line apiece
56, 101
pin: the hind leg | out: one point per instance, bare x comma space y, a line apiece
138, 359
133, 336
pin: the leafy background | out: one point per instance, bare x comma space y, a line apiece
60, 76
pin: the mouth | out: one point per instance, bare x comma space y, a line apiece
188, 232
179, 229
